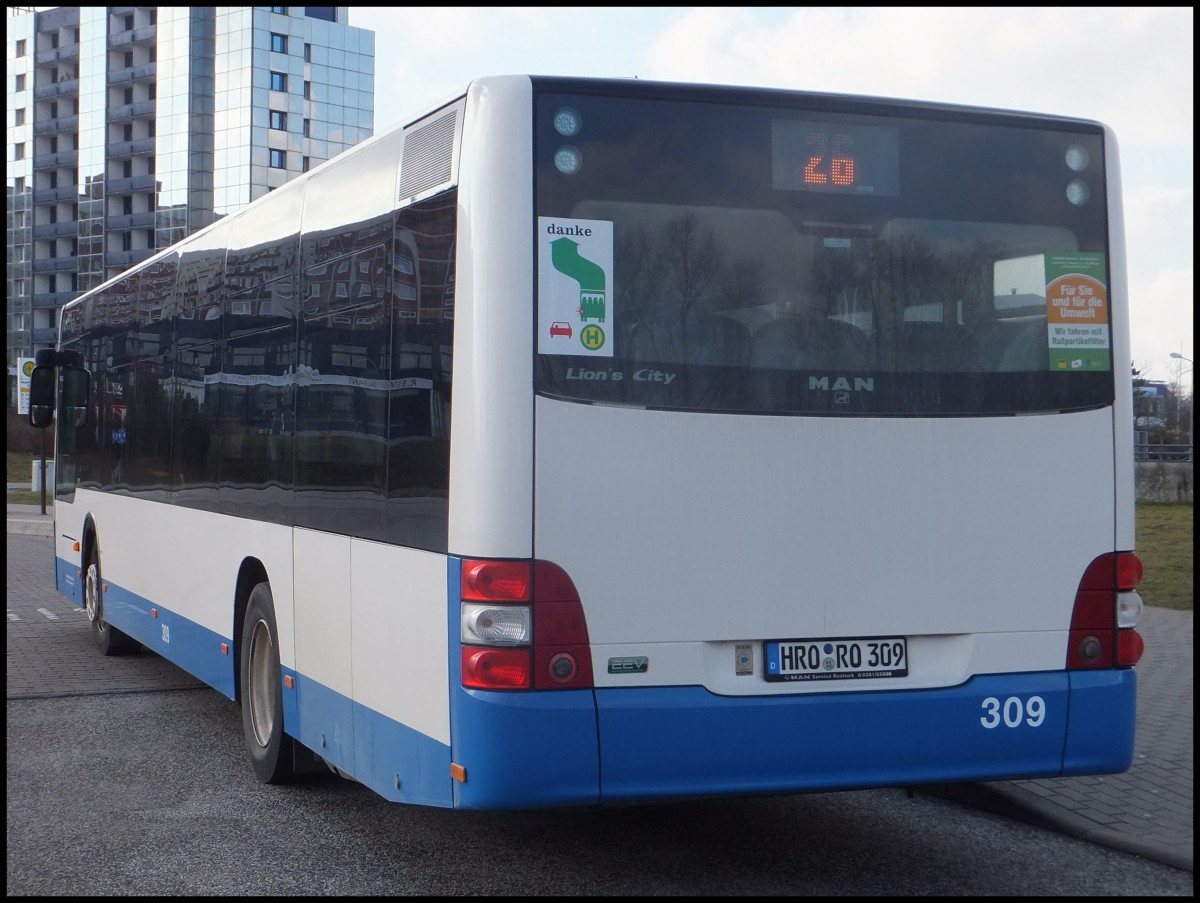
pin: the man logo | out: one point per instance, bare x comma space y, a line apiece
842, 384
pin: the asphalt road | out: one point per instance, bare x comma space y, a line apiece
125, 776
150, 793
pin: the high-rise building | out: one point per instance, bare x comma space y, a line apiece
130, 127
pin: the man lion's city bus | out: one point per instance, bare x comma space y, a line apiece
586, 442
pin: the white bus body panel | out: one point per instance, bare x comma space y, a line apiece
491, 475
182, 558
398, 609
709, 530
371, 626
381, 649
323, 610
1118, 294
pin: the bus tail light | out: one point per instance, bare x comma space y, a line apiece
495, 669
1107, 608
522, 627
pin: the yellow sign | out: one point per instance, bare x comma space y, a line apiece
592, 337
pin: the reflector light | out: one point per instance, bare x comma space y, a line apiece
562, 667
1090, 649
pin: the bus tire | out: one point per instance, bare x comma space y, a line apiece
108, 639
272, 752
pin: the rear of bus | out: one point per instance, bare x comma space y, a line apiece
801, 452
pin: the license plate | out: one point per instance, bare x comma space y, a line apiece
848, 658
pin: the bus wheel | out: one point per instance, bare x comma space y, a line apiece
109, 640
271, 750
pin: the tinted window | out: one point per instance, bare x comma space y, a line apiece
812, 259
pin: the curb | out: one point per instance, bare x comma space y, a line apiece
1010, 801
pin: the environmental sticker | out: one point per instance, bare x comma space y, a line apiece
575, 269
1077, 312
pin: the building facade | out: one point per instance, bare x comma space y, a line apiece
130, 127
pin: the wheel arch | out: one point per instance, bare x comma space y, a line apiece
250, 574
88, 541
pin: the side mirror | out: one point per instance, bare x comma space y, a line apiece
41, 396
76, 393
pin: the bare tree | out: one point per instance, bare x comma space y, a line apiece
692, 257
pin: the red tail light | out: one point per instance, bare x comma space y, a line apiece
496, 581
559, 656
1097, 640
495, 669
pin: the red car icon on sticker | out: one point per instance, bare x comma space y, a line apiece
558, 327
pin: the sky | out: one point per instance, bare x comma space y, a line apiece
1128, 67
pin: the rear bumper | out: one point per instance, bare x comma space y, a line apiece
555, 749
686, 741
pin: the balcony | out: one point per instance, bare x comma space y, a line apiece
134, 74
124, 112
62, 193
56, 265
125, 259
54, 161
133, 183
65, 229
52, 300
143, 34
66, 86
57, 54
52, 125
139, 147
123, 222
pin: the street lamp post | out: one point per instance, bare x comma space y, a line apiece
1191, 407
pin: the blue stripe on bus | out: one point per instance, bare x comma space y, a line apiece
1100, 732
68, 581
525, 750
194, 648
530, 750
397, 762
520, 749
684, 741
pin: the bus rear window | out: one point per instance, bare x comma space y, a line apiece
682, 265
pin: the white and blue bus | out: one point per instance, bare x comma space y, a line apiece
584, 442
